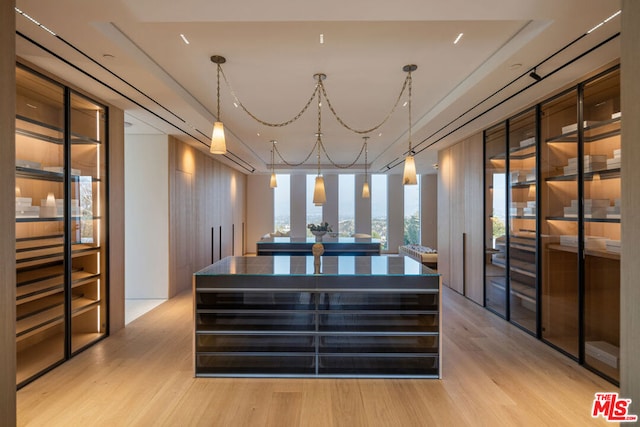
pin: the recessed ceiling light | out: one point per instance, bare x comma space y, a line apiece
405, 103
321, 38
515, 66
380, 134
108, 56
31, 106
458, 38
235, 104
128, 124
184, 39
258, 133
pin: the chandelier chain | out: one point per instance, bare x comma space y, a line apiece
296, 164
365, 158
218, 96
364, 131
410, 84
263, 122
324, 150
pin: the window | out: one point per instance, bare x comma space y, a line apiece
379, 222
314, 213
346, 205
412, 214
282, 204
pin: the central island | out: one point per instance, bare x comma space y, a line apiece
363, 316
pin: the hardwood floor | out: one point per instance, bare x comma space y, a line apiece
493, 374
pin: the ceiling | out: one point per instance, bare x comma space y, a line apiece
129, 53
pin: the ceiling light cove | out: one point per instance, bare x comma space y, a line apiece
458, 38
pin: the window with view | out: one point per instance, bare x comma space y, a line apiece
379, 222
282, 204
412, 214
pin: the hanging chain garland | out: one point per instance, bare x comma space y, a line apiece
263, 122
318, 91
364, 131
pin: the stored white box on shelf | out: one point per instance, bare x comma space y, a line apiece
574, 127
569, 240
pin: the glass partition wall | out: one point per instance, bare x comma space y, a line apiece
495, 145
61, 234
601, 223
522, 251
552, 229
581, 223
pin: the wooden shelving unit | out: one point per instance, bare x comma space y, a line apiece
60, 226
581, 223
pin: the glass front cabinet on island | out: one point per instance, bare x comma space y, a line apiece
552, 203
61, 255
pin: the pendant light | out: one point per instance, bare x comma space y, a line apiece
274, 182
409, 176
319, 195
218, 144
365, 186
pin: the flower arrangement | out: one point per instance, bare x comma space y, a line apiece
320, 227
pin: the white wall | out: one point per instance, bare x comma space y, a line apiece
147, 216
429, 210
330, 208
395, 201
363, 208
298, 191
259, 209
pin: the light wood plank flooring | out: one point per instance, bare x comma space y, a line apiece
494, 375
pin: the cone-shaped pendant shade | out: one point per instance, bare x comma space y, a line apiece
274, 181
319, 196
218, 144
409, 176
365, 190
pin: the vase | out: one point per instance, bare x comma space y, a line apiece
318, 235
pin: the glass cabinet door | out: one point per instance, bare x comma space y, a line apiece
495, 145
40, 226
88, 205
61, 257
522, 220
601, 110
559, 225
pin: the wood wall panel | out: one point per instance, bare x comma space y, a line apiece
460, 216
444, 225
630, 291
204, 194
474, 286
457, 218
7, 215
116, 219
